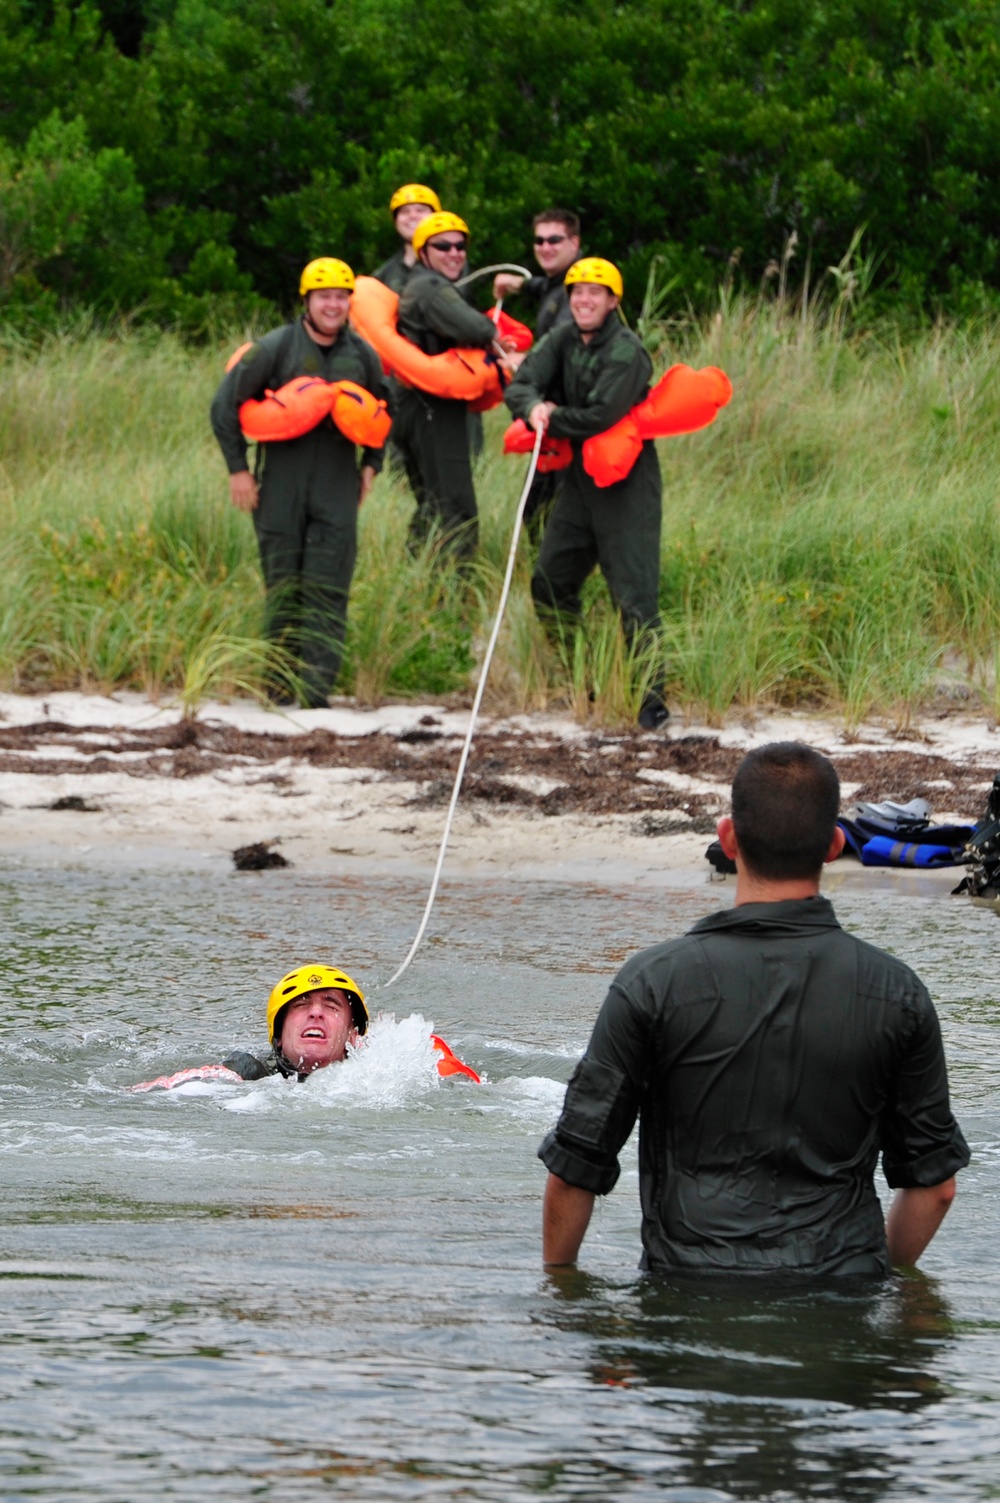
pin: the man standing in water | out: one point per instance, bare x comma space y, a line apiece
770, 1058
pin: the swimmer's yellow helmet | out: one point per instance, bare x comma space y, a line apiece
598, 272
313, 978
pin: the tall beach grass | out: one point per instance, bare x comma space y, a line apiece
834, 539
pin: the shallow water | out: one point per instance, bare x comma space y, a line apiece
285, 1292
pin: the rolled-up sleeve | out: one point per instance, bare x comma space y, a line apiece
922, 1144
602, 1100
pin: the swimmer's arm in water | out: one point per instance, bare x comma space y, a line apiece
182, 1077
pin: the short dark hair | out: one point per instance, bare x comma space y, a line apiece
786, 798
564, 217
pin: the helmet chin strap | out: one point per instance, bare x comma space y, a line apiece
307, 319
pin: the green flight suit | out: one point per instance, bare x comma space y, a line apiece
618, 526
306, 521
394, 273
552, 297
431, 432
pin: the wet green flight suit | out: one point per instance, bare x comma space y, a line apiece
431, 432
618, 526
306, 521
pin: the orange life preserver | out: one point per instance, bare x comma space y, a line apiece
509, 328
300, 405
294, 409
464, 375
555, 453
449, 1063
237, 355
682, 401
360, 416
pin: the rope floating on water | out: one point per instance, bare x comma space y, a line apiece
476, 704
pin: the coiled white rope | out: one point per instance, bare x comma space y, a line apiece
476, 704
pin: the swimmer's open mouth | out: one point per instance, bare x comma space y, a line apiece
313, 1033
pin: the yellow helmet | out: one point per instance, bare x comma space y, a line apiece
313, 978
437, 224
600, 273
326, 272
414, 193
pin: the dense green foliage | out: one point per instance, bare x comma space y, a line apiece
187, 156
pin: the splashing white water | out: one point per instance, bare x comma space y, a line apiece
394, 1065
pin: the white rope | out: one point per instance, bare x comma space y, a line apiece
477, 702
484, 271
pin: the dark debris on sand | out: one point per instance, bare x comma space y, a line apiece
597, 774
258, 857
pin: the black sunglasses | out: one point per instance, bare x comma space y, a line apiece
550, 239
446, 245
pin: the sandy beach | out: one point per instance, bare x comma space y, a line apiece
122, 778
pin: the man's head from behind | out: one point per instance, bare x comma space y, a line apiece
786, 798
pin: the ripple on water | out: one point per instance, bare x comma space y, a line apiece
332, 1289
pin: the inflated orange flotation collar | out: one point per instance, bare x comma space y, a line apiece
449, 1063
682, 401
464, 375
555, 453
508, 328
300, 405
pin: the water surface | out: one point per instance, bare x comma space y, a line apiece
286, 1292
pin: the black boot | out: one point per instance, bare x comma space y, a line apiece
653, 712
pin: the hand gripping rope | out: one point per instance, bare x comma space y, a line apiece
476, 704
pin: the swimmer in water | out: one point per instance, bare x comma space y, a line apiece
314, 1015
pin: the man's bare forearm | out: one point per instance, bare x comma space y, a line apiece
565, 1218
914, 1217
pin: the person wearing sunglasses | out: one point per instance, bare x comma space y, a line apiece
431, 431
408, 206
580, 380
557, 247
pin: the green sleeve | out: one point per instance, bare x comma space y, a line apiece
448, 314
602, 1098
249, 378
621, 381
535, 378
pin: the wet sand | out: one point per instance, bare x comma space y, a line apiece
543, 797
